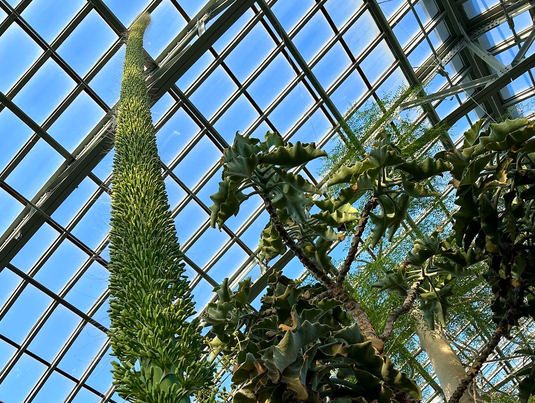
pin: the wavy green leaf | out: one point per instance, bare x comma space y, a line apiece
292, 155
226, 204
297, 181
425, 169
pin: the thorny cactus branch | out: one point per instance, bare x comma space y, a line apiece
357, 239
318, 274
483, 356
401, 310
352, 307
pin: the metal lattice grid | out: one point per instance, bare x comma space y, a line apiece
297, 68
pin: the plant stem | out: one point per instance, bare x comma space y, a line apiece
352, 307
401, 310
482, 358
357, 239
150, 301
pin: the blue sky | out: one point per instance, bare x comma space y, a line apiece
350, 67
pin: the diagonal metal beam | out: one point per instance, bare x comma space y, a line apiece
195, 27
484, 55
495, 16
100, 141
479, 82
308, 72
179, 60
459, 27
491, 89
525, 46
397, 50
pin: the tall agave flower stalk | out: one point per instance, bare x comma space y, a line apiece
153, 336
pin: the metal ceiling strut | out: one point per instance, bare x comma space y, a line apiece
455, 89
496, 16
406, 67
490, 89
525, 46
460, 28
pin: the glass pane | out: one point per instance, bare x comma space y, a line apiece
92, 35
61, 266
49, 17
76, 121
54, 333
35, 169
354, 38
13, 134
237, 118
83, 350
21, 51
348, 92
107, 82
292, 107
313, 36
250, 52
213, 92
406, 29
21, 379
331, 65
341, 10
271, 81
166, 23
126, 11
289, 12
100, 378
22, 316
68, 209
8, 282
34, 248
95, 223
229, 35
377, 62
194, 71
45, 90
207, 246
56, 388
228, 263
188, 220
175, 134
202, 294
203, 156
89, 287
10, 209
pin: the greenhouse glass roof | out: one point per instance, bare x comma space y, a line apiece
214, 68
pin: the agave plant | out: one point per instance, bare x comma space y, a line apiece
157, 344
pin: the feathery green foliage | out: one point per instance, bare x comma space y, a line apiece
157, 344
383, 119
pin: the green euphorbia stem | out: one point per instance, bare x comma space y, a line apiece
351, 305
357, 240
158, 346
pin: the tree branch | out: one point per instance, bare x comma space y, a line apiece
482, 358
352, 307
318, 274
357, 239
401, 310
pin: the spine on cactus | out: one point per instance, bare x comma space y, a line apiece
157, 344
